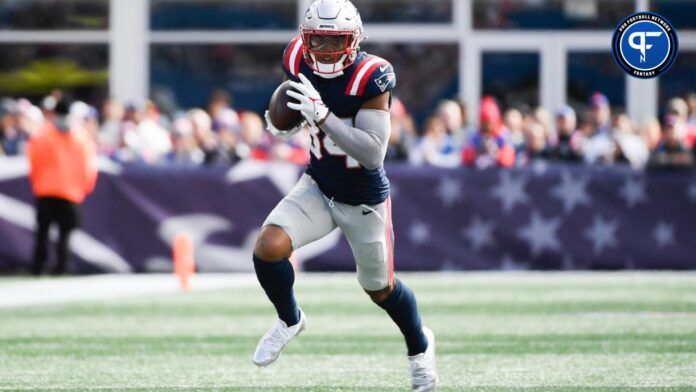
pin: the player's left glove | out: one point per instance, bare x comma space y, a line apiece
311, 106
283, 135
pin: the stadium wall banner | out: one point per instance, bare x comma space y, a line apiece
545, 216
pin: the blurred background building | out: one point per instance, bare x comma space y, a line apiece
522, 52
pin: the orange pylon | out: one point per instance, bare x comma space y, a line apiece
184, 264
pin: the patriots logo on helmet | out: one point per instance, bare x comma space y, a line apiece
384, 80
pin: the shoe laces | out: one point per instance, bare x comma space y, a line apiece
277, 337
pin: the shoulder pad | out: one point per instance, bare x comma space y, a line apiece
372, 77
292, 57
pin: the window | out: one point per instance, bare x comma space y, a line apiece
512, 78
425, 73
222, 14
679, 12
405, 11
54, 14
590, 72
550, 14
187, 74
33, 70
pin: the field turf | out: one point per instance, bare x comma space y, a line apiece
495, 332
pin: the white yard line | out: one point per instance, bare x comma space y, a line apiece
101, 287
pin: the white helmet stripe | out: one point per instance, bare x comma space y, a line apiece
293, 56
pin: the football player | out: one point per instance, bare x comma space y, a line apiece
344, 94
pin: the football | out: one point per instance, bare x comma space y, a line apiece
282, 117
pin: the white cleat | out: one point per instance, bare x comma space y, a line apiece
423, 371
273, 342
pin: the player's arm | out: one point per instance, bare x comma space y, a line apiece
366, 142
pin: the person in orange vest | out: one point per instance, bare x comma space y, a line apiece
63, 171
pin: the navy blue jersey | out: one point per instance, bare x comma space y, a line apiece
337, 174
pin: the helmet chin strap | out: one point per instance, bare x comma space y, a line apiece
325, 69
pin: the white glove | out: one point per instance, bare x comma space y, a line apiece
311, 106
284, 135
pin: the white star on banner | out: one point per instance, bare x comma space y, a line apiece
602, 234
419, 233
480, 233
663, 234
540, 234
633, 191
539, 166
449, 191
571, 192
692, 192
510, 191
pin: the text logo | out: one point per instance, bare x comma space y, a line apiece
645, 45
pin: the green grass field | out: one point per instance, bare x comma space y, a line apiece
495, 332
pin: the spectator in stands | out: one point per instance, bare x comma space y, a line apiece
488, 146
13, 138
402, 132
111, 132
600, 114
436, 147
679, 108
629, 146
464, 109
154, 133
536, 145
221, 112
672, 151
651, 132
569, 140
450, 113
544, 118
63, 171
255, 143
185, 150
691, 102
514, 123
30, 120
204, 137
598, 146
227, 133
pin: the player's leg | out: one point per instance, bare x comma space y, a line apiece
300, 218
370, 234
43, 223
67, 217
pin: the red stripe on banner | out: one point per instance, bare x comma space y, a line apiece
366, 77
390, 240
355, 74
288, 53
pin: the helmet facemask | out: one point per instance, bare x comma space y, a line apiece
329, 52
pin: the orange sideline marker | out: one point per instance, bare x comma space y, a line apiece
184, 264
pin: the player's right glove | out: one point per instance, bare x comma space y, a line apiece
284, 135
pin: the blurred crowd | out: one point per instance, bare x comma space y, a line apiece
515, 137
450, 137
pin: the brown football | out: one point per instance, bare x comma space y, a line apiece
282, 117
